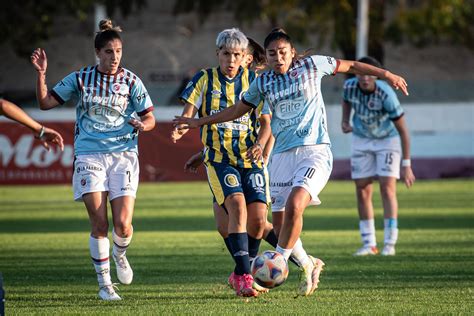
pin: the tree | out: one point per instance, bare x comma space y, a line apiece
416, 22
25, 23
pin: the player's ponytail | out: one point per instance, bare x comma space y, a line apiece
107, 32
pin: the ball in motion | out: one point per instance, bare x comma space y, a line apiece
269, 269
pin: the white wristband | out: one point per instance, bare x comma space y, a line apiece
406, 163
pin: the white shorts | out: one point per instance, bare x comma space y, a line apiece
116, 173
308, 167
371, 157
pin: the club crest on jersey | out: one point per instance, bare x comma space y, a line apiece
120, 88
294, 74
231, 180
373, 105
83, 182
216, 93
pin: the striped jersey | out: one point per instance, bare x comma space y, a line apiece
211, 92
374, 111
105, 104
294, 99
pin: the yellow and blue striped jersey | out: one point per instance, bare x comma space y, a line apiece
210, 92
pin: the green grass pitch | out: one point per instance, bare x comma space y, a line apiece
181, 264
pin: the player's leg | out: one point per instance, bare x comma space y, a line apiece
364, 190
90, 184
99, 245
363, 169
123, 184
388, 169
312, 171
222, 223
226, 185
122, 213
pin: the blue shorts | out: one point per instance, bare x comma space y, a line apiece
225, 180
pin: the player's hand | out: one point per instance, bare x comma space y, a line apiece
53, 137
397, 82
255, 152
177, 133
183, 123
408, 176
194, 162
39, 60
346, 127
137, 124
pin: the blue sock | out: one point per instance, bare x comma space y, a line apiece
240, 249
272, 238
254, 244
227, 244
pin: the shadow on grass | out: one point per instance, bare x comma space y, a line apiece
317, 222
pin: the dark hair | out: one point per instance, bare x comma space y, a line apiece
257, 52
371, 61
275, 35
107, 32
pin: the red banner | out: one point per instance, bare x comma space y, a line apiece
23, 160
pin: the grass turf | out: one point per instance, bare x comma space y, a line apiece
181, 264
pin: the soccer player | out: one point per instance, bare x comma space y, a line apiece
302, 159
378, 127
44, 134
232, 149
105, 146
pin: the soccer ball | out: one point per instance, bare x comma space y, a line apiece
269, 269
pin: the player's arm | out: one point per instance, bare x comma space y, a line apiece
146, 123
268, 149
194, 162
407, 173
45, 100
44, 134
346, 115
228, 114
357, 68
189, 111
255, 152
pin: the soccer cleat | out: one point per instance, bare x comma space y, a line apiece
366, 251
124, 271
242, 285
318, 268
306, 279
388, 250
107, 293
231, 280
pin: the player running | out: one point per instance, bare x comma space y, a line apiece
302, 159
378, 127
232, 149
105, 146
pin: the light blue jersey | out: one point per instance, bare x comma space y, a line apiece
105, 105
295, 102
374, 112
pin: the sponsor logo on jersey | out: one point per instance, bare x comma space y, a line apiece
88, 168
288, 109
231, 180
120, 88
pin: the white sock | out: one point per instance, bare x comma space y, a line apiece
367, 232
390, 231
285, 252
300, 255
120, 244
99, 249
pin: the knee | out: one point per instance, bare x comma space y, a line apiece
99, 229
123, 229
387, 191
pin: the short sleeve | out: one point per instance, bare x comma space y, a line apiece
326, 65
140, 98
391, 103
252, 96
65, 89
193, 92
